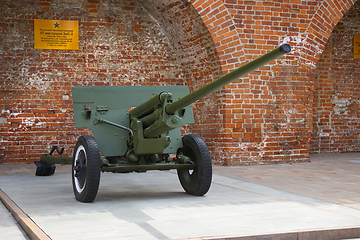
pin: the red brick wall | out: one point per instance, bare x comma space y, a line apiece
268, 115
121, 43
336, 126
263, 118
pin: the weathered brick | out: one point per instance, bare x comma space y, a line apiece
340, 133
131, 49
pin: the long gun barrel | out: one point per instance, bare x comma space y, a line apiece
228, 78
160, 114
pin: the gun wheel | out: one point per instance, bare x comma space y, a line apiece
196, 182
86, 169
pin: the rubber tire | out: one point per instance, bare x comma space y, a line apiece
86, 185
196, 182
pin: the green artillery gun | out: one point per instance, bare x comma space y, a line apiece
137, 128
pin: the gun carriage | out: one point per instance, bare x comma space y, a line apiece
137, 128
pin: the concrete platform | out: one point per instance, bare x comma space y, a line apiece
317, 200
9, 228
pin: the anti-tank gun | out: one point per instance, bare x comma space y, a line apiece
137, 128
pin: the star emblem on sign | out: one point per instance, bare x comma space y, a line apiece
56, 25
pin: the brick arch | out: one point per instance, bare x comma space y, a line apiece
308, 46
185, 30
237, 38
336, 91
226, 35
308, 39
220, 22
322, 24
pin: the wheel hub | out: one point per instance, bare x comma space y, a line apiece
77, 169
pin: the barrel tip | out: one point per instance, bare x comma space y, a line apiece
285, 48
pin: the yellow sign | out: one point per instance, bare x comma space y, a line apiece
357, 46
56, 34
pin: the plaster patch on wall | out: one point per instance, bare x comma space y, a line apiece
5, 111
341, 105
3, 120
322, 134
39, 83
301, 43
31, 122
14, 115
253, 158
298, 40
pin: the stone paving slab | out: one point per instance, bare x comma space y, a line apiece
332, 178
153, 205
